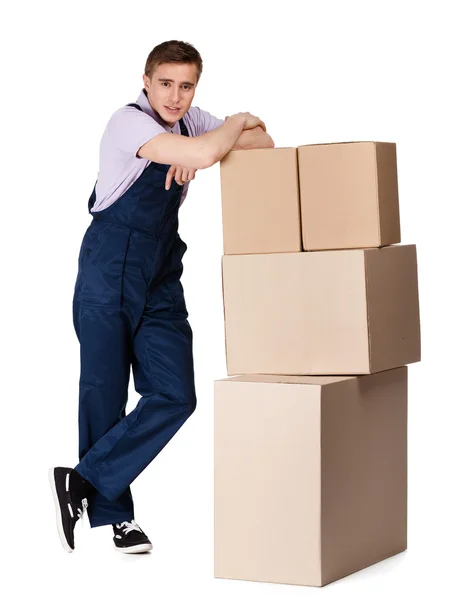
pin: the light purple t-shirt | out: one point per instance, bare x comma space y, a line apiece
126, 131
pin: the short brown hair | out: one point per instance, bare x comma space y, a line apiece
173, 51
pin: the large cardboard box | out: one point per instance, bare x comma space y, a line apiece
341, 312
310, 479
349, 195
260, 201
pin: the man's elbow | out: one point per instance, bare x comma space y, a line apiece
208, 158
205, 155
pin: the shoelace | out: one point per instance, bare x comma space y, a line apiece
82, 511
129, 526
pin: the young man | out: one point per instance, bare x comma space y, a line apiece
128, 307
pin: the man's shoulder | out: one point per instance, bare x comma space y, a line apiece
127, 111
130, 119
128, 129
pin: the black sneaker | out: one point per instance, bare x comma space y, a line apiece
69, 491
130, 538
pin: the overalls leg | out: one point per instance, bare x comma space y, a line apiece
104, 377
104, 328
164, 376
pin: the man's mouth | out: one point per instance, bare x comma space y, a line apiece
172, 110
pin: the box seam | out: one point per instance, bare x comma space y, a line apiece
301, 220
367, 304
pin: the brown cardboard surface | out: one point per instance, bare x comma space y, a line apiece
387, 185
310, 481
260, 201
348, 195
281, 313
364, 471
319, 313
393, 306
267, 482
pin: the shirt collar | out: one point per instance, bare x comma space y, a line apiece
144, 103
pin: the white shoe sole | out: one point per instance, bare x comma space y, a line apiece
59, 522
136, 549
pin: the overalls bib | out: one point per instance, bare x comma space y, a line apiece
129, 310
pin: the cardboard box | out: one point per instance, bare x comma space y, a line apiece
341, 312
349, 195
310, 480
260, 201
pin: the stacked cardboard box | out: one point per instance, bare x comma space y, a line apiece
321, 318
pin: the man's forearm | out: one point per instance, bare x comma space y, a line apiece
217, 143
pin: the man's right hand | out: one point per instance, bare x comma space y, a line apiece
251, 121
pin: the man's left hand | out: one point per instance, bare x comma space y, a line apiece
180, 174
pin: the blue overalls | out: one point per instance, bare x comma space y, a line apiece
129, 309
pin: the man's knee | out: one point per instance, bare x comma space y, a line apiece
193, 403
189, 400
185, 398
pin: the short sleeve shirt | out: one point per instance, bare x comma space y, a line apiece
126, 131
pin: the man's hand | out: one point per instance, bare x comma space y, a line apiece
251, 121
253, 138
180, 174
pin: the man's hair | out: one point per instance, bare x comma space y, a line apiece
173, 51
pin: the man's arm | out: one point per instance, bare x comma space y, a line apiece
203, 151
198, 152
253, 138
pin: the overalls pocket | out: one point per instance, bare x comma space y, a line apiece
172, 284
102, 265
174, 291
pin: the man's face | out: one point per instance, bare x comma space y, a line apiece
172, 86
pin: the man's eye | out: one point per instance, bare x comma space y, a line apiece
164, 83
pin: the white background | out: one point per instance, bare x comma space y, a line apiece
313, 71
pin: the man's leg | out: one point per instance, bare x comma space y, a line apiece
105, 359
164, 376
